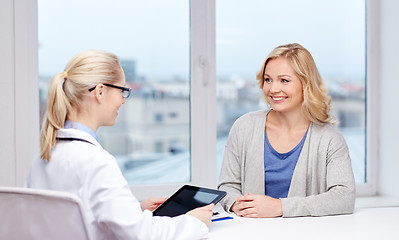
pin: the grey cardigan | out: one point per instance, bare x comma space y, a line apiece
322, 182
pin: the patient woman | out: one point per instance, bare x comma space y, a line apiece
290, 160
86, 96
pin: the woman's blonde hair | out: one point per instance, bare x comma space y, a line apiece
67, 89
316, 102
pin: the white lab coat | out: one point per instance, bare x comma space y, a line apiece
90, 172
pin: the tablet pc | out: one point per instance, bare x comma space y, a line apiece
187, 198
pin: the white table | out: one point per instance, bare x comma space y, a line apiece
363, 224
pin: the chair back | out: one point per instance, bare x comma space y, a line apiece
41, 214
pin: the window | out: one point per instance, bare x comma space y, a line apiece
334, 33
19, 43
152, 40
242, 45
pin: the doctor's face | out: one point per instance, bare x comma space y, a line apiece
114, 100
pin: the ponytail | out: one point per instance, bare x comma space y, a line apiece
58, 108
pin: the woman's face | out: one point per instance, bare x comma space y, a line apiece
282, 88
113, 101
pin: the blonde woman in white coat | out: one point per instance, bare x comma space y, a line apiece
86, 96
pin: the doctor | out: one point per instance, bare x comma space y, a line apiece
87, 95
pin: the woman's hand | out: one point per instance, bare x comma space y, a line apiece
203, 213
152, 203
257, 206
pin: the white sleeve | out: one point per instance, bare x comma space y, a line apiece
118, 211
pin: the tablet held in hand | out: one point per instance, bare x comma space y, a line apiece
186, 199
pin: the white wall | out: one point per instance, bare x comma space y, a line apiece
389, 92
19, 108
7, 104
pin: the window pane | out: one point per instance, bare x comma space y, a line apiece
334, 33
151, 137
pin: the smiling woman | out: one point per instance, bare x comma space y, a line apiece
333, 31
276, 159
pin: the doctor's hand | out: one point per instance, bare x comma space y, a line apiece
152, 203
257, 206
203, 213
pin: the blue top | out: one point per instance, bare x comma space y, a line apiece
279, 168
75, 125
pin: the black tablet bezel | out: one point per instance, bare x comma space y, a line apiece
220, 195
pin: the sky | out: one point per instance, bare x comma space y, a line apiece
155, 33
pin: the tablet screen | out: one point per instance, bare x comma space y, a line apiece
187, 198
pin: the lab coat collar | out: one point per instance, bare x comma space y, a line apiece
75, 133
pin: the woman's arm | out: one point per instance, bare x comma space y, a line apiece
242, 170
335, 186
230, 173
230, 179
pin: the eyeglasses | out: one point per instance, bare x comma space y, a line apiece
125, 91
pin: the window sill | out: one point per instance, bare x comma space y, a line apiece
377, 201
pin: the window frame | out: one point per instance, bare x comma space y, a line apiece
22, 58
202, 102
372, 99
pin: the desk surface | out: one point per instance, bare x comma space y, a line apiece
364, 224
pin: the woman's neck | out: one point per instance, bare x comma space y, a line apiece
290, 121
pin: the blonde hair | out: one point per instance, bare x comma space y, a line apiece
67, 89
316, 102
